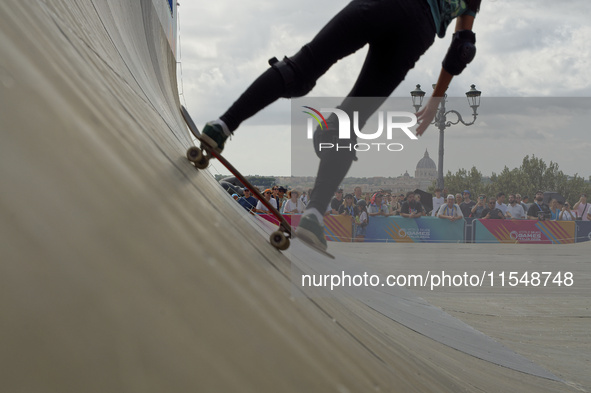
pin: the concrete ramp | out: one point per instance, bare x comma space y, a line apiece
123, 269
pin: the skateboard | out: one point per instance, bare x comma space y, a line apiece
200, 157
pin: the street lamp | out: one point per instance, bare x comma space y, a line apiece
417, 98
441, 121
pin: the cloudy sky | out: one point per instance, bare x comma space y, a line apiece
526, 49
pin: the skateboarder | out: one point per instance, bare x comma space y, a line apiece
398, 33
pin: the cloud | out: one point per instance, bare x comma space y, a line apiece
531, 48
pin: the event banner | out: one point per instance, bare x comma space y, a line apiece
336, 228
524, 231
583, 231
414, 230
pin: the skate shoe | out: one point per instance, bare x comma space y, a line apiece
215, 134
311, 232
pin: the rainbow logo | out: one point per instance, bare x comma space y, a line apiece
316, 117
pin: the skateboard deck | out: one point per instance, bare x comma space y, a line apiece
280, 238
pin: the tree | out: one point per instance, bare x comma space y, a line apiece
533, 175
508, 181
463, 180
261, 181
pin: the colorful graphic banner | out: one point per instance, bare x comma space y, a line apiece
524, 231
336, 228
414, 230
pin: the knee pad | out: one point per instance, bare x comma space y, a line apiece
296, 74
461, 52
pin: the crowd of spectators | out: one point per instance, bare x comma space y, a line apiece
362, 207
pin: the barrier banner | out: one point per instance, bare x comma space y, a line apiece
583, 231
414, 230
524, 231
336, 228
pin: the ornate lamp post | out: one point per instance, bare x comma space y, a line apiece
441, 121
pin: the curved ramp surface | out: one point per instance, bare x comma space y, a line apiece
123, 269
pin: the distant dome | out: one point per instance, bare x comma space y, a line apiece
426, 162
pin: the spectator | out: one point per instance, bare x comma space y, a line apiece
281, 197
566, 214
348, 208
248, 201
554, 210
336, 201
538, 210
361, 221
235, 196
450, 211
582, 208
520, 202
438, 201
260, 208
293, 205
459, 198
467, 205
418, 199
396, 204
388, 202
378, 207
411, 208
358, 194
491, 211
514, 210
477, 209
501, 203
526, 203
304, 198
401, 199
399, 202
274, 192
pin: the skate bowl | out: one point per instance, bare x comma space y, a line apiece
124, 269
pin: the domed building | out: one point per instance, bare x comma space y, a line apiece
426, 168
426, 172
425, 176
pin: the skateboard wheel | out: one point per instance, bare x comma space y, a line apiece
279, 240
203, 163
194, 154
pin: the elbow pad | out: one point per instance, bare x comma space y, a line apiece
461, 52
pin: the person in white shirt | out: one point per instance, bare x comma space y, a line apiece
566, 214
583, 208
293, 205
520, 202
514, 210
305, 198
501, 203
450, 211
437, 202
378, 207
262, 208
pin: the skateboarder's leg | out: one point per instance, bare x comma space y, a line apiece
295, 76
360, 22
386, 65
